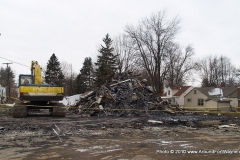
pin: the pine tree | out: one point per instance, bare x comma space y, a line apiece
83, 81
7, 79
79, 84
53, 73
106, 62
87, 71
4, 76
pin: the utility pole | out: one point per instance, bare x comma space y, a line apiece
71, 86
8, 70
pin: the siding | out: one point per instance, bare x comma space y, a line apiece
234, 103
193, 105
211, 105
180, 99
224, 106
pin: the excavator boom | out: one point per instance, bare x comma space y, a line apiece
36, 71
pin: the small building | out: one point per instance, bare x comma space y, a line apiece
179, 96
3, 97
210, 98
175, 95
168, 94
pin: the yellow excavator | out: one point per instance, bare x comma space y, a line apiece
34, 95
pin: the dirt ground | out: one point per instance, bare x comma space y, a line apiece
149, 137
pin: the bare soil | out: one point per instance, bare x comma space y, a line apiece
169, 136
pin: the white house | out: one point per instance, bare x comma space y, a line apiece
175, 94
210, 98
3, 97
179, 96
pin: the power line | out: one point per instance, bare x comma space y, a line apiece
14, 62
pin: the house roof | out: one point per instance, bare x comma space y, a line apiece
227, 91
163, 94
181, 90
234, 94
231, 92
172, 88
175, 87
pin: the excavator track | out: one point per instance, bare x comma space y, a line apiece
22, 110
58, 111
19, 111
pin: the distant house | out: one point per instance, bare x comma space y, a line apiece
234, 100
2, 94
210, 98
175, 94
168, 94
179, 96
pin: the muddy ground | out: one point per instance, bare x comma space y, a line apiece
145, 137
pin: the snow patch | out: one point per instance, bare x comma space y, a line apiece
71, 100
216, 92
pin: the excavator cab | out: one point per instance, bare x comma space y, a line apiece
25, 80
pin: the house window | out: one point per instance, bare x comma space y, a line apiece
168, 92
200, 102
189, 100
195, 91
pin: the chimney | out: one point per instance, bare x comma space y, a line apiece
222, 84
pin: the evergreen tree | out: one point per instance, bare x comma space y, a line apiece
106, 62
7, 79
6, 73
86, 72
83, 81
79, 84
53, 73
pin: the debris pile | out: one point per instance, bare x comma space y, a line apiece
125, 96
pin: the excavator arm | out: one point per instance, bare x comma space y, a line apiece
36, 71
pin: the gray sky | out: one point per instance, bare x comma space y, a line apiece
74, 29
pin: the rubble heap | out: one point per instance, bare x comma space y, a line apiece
125, 96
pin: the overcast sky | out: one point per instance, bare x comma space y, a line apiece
74, 29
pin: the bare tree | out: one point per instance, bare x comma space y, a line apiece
126, 54
66, 69
228, 71
214, 70
150, 39
180, 64
69, 77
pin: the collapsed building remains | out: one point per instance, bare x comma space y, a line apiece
125, 96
